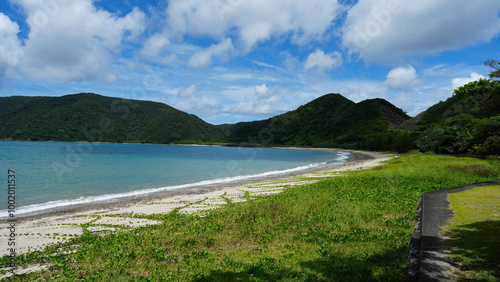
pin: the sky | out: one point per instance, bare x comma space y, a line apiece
228, 61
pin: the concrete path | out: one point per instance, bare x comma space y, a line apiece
434, 264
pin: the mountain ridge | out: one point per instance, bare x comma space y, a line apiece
466, 123
328, 121
92, 117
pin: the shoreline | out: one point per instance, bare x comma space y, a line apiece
354, 156
117, 196
36, 231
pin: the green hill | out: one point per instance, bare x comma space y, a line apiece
466, 123
92, 117
329, 121
478, 99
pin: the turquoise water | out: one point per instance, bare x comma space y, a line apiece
50, 175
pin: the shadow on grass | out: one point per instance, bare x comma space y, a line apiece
478, 246
387, 266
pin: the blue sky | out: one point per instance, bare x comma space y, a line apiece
239, 60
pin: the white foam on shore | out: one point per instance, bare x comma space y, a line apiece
52, 205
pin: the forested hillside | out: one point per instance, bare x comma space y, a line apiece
466, 123
91, 117
330, 121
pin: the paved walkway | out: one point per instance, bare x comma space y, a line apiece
434, 265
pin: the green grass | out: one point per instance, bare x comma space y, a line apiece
474, 232
346, 228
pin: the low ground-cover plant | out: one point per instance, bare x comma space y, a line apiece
354, 227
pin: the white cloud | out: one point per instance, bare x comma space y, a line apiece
263, 100
261, 89
321, 61
402, 78
7, 27
460, 81
73, 40
227, 75
210, 109
385, 31
10, 46
204, 58
155, 44
185, 106
253, 33
401, 86
253, 107
187, 92
111, 77
195, 17
250, 22
265, 65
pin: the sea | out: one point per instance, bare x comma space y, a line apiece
43, 176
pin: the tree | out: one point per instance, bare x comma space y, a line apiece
481, 87
494, 64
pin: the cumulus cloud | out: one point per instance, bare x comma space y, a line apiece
204, 57
73, 40
321, 61
261, 89
250, 22
460, 81
385, 31
402, 78
401, 86
10, 46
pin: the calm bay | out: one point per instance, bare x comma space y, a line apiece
54, 175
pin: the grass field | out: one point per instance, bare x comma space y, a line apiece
474, 232
355, 227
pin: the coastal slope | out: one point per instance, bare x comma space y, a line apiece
91, 117
328, 121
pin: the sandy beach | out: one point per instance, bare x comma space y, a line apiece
35, 232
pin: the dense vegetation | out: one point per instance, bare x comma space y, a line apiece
466, 123
330, 121
91, 117
352, 227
